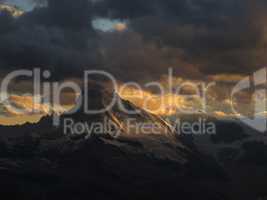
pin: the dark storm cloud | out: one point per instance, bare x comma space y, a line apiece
129, 57
124, 9
195, 37
217, 36
185, 10
59, 37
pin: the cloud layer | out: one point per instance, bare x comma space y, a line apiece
218, 36
58, 37
195, 37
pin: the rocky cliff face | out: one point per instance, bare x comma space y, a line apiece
41, 161
122, 123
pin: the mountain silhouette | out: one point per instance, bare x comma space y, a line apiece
40, 161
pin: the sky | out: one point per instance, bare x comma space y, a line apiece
103, 24
136, 40
206, 40
23, 4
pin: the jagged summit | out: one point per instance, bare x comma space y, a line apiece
99, 103
121, 125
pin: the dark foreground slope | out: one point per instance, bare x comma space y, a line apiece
240, 150
40, 162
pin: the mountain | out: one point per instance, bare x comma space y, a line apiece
41, 161
240, 150
12, 10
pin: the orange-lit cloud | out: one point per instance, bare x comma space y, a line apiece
26, 105
227, 78
120, 27
166, 105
